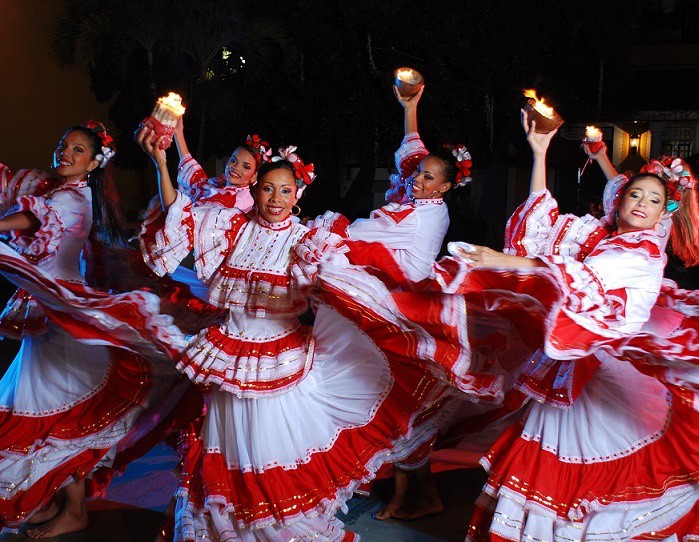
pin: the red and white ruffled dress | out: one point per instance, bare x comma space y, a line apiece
406, 235
298, 417
69, 405
214, 191
609, 447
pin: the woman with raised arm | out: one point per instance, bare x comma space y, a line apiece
72, 394
407, 234
607, 450
232, 188
298, 417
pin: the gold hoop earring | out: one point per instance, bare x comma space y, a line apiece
298, 210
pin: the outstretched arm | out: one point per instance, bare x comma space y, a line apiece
539, 144
410, 109
486, 257
18, 221
151, 146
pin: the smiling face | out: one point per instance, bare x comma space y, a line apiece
241, 168
275, 195
429, 180
73, 158
642, 205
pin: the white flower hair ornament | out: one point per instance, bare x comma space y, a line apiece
303, 173
107, 146
463, 163
105, 156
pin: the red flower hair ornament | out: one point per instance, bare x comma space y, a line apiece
303, 173
264, 151
107, 149
677, 176
463, 162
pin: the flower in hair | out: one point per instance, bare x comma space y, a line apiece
463, 163
105, 156
303, 173
676, 174
100, 130
107, 148
264, 151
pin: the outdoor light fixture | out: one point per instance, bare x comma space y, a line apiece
634, 142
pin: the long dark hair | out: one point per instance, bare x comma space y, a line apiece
107, 219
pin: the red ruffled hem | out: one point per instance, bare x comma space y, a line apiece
325, 479
25, 503
571, 490
217, 358
127, 384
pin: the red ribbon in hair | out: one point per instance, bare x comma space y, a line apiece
98, 128
303, 171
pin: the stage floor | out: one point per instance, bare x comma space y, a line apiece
132, 509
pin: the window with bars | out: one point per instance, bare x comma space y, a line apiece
679, 140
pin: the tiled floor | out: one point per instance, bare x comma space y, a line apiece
132, 510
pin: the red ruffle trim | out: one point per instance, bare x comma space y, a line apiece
570, 489
315, 482
127, 385
256, 291
41, 243
227, 359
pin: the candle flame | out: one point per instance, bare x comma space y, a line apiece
592, 133
172, 101
408, 75
539, 104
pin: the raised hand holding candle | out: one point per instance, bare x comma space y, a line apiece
409, 81
167, 111
545, 116
593, 139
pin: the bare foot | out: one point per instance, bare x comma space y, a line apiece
422, 506
388, 511
45, 514
420, 498
399, 499
64, 522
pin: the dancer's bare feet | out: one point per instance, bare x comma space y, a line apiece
422, 505
45, 514
400, 483
71, 518
64, 522
416, 496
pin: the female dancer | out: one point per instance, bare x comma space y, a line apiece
607, 451
407, 234
232, 189
65, 404
298, 417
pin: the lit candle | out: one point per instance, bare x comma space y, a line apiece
544, 115
593, 138
409, 81
168, 109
